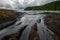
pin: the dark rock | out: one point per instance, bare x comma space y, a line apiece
6, 24
52, 22
15, 36
39, 20
33, 34
8, 17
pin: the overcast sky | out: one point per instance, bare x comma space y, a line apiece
22, 3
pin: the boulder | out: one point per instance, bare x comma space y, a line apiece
8, 17
52, 21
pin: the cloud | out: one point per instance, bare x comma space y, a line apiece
26, 3
39, 2
17, 4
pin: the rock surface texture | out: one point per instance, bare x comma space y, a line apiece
52, 21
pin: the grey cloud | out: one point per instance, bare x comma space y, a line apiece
26, 3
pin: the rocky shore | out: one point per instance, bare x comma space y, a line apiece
8, 17
15, 36
33, 34
52, 21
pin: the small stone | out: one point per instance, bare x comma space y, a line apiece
39, 20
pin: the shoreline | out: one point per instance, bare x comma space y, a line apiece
9, 17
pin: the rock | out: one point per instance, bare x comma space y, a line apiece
33, 34
11, 37
52, 21
6, 24
15, 36
8, 17
39, 20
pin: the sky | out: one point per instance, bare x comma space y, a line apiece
22, 3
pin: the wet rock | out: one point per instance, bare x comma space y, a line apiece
39, 20
53, 23
6, 24
33, 34
11, 37
19, 23
56, 37
15, 36
8, 17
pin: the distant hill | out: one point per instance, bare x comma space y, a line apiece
50, 6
